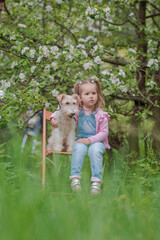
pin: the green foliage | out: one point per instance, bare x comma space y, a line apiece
51, 45
128, 208
47, 46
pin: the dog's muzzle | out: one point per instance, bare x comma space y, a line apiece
71, 115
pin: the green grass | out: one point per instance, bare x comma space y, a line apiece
127, 209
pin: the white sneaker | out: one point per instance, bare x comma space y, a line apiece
75, 184
95, 188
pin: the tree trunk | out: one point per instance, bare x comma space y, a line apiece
133, 138
156, 116
133, 133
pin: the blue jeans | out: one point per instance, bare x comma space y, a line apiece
95, 153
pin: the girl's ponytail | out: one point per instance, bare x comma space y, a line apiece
76, 88
99, 91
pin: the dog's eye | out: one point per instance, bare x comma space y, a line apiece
74, 103
67, 103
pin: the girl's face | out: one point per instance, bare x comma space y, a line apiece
89, 95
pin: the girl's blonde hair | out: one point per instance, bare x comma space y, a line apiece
78, 90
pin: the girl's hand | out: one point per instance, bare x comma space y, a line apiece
53, 123
84, 141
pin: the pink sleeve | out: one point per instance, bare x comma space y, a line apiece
102, 132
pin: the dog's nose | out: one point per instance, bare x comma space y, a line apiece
71, 115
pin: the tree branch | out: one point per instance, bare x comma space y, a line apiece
153, 15
112, 23
17, 55
61, 25
116, 61
63, 34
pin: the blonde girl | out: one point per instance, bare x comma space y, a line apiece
92, 135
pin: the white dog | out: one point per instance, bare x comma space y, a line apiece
63, 137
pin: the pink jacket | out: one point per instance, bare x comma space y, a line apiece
102, 119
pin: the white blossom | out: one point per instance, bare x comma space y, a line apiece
150, 84
49, 8
103, 80
95, 48
5, 84
54, 65
98, 60
132, 50
69, 57
153, 62
107, 11
93, 29
14, 63
131, 14
94, 78
84, 53
90, 22
12, 37
71, 48
88, 39
105, 72
30, 3
22, 25
21, 76
1, 94
55, 93
121, 73
54, 49
24, 49
124, 89
59, 1
106, 92
57, 56
33, 68
39, 59
91, 11
47, 105
14, 96
51, 77
87, 65
44, 50
115, 81
34, 83
32, 53
78, 74
47, 68
103, 28
80, 46
110, 109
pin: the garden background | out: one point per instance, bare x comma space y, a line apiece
45, 48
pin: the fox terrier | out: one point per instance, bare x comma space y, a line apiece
63, 136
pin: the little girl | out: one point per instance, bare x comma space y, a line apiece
92, 135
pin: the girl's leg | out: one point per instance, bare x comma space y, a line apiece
78, 154
95, 154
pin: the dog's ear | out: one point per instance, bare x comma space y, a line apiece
60, 97
75, 96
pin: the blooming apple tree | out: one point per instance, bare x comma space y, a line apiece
47, 46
